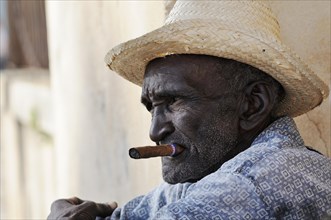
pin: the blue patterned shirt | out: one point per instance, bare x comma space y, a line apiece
276, 178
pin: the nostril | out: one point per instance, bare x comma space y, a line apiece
158, 131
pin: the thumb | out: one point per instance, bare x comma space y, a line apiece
113, 205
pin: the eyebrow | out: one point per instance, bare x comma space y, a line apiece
161, 94
157, 94
167, 91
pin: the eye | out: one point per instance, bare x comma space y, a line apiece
172, 102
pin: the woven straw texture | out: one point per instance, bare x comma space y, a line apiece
246, 31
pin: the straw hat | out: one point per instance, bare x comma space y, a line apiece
246, 31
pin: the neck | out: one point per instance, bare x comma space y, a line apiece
247, 137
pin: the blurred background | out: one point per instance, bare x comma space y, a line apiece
67, 122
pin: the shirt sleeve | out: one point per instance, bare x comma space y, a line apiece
232, 197
127, 212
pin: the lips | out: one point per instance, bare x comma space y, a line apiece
179, 152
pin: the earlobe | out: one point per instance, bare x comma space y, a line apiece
256, 105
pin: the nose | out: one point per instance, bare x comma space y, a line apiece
160, 128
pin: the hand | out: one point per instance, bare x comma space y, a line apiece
75, 208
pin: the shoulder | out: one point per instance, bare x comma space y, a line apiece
290, 180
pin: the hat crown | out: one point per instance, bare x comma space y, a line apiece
248, 16
246, 31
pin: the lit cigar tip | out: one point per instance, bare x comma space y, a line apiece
134, 153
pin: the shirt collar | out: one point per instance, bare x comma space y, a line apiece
283, 130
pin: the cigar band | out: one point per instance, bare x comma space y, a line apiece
173, 146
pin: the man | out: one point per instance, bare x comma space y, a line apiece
219, 83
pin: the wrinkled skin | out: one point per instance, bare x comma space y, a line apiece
191, 106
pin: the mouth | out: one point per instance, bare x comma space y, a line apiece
179, 151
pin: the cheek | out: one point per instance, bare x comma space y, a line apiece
208, 143
188, 121
217, 133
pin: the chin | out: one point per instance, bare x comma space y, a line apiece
170, 179
177, 178
174, 176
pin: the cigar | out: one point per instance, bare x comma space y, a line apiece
155, 151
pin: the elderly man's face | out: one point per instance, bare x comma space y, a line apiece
191, 106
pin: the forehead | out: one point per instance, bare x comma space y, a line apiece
184, 71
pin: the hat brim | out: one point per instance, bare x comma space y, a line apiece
304, 90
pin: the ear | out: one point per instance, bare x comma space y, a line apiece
256, 105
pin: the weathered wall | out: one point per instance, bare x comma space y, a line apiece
27, 180
305, 27
98, 114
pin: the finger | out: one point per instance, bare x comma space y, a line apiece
75, 200
60, 204
113, 205
102, 209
